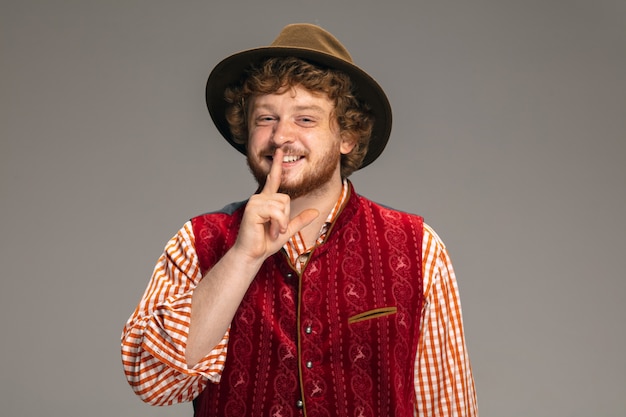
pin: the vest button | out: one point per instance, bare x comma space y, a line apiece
309, 364
300, 404
289, 275
308, 330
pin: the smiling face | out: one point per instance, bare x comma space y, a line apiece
301, 123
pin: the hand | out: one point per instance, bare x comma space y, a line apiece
266, 225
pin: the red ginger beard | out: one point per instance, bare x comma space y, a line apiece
312, 180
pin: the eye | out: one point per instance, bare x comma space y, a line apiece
264, 120
306, 120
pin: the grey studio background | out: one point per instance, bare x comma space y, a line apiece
509, 137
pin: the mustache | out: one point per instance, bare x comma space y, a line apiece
287, 150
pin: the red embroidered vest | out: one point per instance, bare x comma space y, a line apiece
339, 340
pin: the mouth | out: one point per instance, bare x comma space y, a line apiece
287, 159
292, 158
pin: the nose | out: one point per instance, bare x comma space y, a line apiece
283, 133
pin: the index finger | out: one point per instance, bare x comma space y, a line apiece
273, 178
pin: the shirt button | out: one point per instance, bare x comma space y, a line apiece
299, 404
309, 364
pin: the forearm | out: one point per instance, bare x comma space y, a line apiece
215, 301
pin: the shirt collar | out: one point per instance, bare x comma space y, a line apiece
295, 246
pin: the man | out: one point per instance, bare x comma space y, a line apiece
307, 299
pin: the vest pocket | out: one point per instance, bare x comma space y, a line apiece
373, 314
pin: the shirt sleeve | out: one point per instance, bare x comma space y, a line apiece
155, 336
444, 385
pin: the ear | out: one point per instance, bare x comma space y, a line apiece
348, 142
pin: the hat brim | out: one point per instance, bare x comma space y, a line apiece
230, 70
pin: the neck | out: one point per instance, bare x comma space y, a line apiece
322, 200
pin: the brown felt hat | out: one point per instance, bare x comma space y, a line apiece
314, 44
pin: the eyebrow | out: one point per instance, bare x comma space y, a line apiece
312, 107
303, 107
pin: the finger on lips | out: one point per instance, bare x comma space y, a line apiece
273, 178
277, 204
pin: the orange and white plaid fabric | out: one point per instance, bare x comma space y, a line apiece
155, 336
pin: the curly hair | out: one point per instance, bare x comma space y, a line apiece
274, 74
